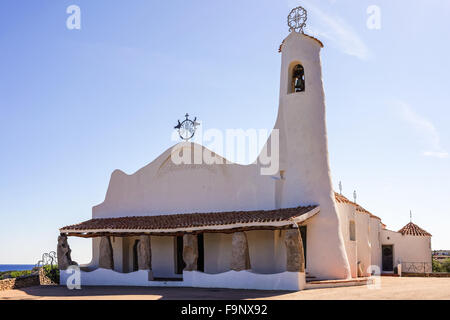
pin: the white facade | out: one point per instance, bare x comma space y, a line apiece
413, 252
232, 187
334, 249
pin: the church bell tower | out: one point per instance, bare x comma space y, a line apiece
304, 157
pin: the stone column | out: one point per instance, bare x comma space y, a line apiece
295, 259
63, 253
240, 257
144, 253
106, 260
190, 252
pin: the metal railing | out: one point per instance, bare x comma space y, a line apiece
48, 259
417, 267
47, 269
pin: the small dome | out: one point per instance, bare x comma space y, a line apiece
412, 229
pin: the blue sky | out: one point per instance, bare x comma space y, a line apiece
77, 104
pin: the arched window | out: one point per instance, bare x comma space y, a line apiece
298, 79
352, 231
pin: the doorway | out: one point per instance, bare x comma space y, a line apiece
303, 235
387, 252
180, 265
135, 256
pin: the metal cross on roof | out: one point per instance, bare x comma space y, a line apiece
297, 19
186, 129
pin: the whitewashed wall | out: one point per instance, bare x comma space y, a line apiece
217, 252
347, 213
375, 242
160, 187
363, 250
408, 248
264, 248
304, 157
163, 257
231, 280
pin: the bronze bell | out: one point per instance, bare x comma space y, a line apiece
299, 85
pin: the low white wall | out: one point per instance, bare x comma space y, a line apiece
230, 280
246, 280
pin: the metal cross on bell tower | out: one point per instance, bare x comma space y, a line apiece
297, 19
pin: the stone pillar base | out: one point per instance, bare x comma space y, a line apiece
240, 256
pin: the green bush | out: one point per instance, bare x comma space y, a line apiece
14, 274
437, 267
446, 265
443, 266
52, 272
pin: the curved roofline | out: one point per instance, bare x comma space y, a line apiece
304, 34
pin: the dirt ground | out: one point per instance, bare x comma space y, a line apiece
391, 289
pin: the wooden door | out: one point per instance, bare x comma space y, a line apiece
387, 252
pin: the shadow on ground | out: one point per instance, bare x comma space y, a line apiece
156, 293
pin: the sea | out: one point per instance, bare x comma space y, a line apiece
16, 267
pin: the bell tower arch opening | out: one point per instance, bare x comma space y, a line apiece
296, 78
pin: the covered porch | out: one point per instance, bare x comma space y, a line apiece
242, 250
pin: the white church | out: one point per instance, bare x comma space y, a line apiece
236, 228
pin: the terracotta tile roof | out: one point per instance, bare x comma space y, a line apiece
190, 220
311, 37
341, 199
412, 229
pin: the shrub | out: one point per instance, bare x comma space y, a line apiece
16, 274
437, 267
446, 265
443, 266
52, 272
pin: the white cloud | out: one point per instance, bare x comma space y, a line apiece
426, 129
335, 30
441, 155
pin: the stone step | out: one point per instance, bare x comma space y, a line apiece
337, 283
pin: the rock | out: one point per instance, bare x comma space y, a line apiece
144, 253
295, 259
190, 252
240, 257
63, 253
106, 260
